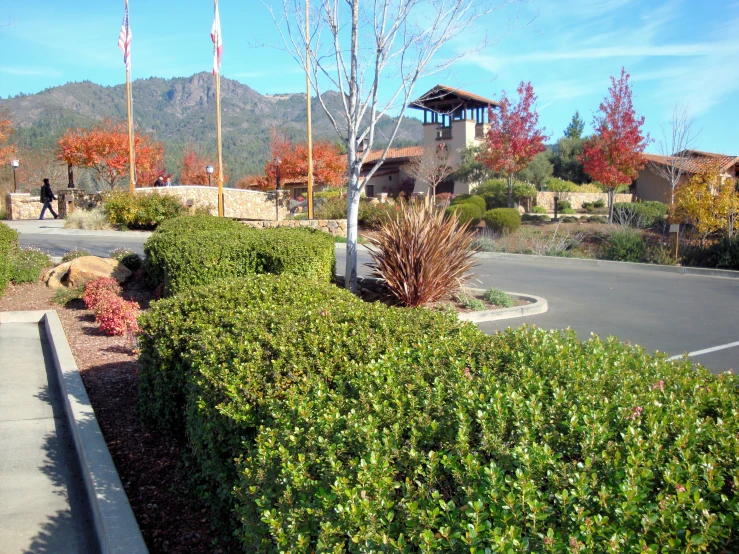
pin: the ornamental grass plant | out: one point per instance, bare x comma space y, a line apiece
422, 255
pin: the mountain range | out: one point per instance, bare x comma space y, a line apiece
181, 112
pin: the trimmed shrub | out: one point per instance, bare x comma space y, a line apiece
333, 425
140, 211
597, 219
27, 264
467, 213
8, 243
116, 316
421, 255
195, 250
538, 210
498, 297
599, 204
564, 205
624, 245
502, 220
534, 218
74, 254
95, 289
469, 199
127, 257
569, 219
641, 215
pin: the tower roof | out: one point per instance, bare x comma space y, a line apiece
444, 99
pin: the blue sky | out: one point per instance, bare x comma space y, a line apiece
677, 51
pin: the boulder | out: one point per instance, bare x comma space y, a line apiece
82, 270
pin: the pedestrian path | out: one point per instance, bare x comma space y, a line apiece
43, 504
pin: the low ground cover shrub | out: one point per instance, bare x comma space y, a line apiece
624, 245
466, 213
381, 429
140, 211
95, 289
597, 219
127, 257
502, 220
194, 250
570, 219
640, 215
538, 210
8, 242
498, 297
74, 254
538, 218
27, 264
422, 255
469, 302
116, 316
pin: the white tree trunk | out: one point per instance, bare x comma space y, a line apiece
352, 223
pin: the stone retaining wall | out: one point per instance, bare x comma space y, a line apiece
21, 205
237, 203
576, 199
334, 227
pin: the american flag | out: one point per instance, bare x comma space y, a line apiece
215, 35
124, 40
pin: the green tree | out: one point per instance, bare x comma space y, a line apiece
565, 160
470, 170
538, 171
576, 127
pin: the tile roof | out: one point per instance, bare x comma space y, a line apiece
697, 161
395, 154
441, 90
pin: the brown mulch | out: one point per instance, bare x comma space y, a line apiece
148, 461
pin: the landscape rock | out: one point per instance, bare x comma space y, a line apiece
82, 270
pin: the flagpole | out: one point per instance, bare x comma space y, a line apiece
307, 95
131, 151
218, 127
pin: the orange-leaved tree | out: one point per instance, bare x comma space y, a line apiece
613, 156
709, 202
329, 163
192, 168
7, 151
104, 148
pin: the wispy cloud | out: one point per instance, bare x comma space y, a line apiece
30, 71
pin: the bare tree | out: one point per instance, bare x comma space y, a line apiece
433, 167
677, 136
373, 53
38, 165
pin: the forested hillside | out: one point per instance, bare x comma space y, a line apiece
181, 111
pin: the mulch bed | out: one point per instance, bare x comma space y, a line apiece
148, 461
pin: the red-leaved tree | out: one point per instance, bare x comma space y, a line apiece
104, 148
192, 169
329, 164
514, 137
7, 151
613, 156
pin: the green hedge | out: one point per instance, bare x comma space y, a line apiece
641, 214
195, 250
8, 242
502, 220
469, 199
140, 211
467, 212
331, 425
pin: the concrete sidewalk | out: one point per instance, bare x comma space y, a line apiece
43, 504
56, 227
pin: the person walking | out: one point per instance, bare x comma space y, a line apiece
47, 197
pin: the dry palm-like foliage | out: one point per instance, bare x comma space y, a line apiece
422, 255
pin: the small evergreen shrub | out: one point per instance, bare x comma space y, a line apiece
194, 250
27, 264
469, 302
74, 254
642, 214
375, 215
569, 219
564, 205
723, 254
331, 208
94, 290
330, 193
597, 219
469, 199
498, 297
538, 210
140, 211
567, 211
624, 245
538, 218
599, 204
502, 220
8, 243
555, 184
116, 316
467, 213
127, 257
66, 295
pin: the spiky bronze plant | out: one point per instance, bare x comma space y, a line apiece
422, 255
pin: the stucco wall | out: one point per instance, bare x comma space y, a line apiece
237, 203
576, 199
650, 186
335, 227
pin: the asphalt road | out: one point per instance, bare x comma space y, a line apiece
669, 312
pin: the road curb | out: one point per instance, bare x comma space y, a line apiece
537, 305
116, 529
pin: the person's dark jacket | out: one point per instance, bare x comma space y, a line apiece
47, 195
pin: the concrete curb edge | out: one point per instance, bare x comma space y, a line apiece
116, 527
538, 305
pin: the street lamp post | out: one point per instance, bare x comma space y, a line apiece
209, 171
278, 161
14, 164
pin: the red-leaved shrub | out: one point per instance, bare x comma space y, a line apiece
94, 290
116, 316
